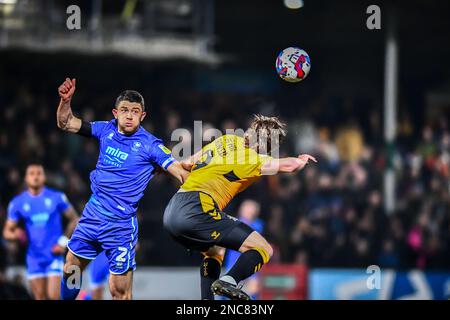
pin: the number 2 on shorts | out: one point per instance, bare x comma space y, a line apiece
123, 253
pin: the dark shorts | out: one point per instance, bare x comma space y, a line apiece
194, 220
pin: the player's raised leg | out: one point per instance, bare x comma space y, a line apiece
72, 276
210, 270
120, 251
121, 257
256, 252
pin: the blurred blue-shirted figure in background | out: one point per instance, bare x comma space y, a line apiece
248, 213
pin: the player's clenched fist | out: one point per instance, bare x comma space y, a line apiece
67, 89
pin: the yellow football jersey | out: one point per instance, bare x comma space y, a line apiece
226, 168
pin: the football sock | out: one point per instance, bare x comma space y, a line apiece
69, 293
209, 272
247, 264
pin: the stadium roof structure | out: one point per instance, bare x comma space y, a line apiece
148, 29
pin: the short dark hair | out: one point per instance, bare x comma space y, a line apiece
31, 163
131, 96
34, 163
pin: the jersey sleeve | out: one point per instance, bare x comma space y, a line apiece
63, 203
13, 211
98, 127
160, 154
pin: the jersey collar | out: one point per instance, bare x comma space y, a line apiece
38, 195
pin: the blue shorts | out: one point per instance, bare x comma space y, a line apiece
97, 232
40, 268
98, 271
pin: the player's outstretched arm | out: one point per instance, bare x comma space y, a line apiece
188, 163
287, 165
10, 230
64, 116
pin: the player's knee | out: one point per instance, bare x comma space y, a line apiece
218, 258
73, 265
269, 250
39, 295
120, 292
220, 252
120, 295
53, 295
68, 268
216, 253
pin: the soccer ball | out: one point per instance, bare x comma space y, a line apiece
293, 64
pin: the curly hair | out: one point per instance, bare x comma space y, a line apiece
264, 129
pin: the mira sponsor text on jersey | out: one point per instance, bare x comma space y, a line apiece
125, 166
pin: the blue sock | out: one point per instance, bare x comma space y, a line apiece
66, 293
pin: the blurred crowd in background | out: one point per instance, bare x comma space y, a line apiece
329, 215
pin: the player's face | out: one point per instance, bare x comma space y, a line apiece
129, 116
35, 177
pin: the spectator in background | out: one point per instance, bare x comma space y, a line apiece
388, 257
427, 147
